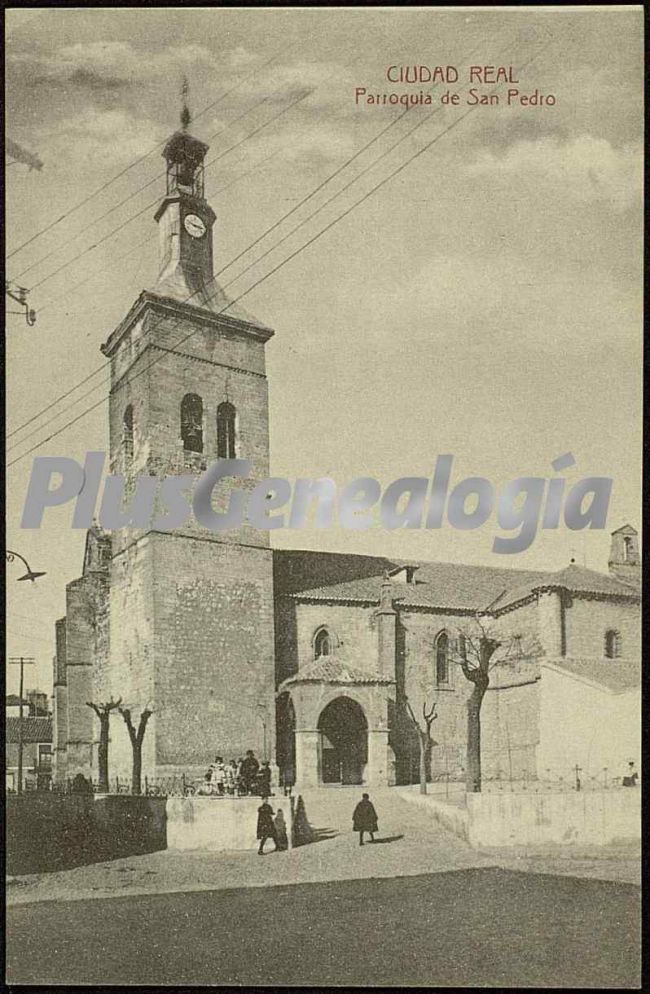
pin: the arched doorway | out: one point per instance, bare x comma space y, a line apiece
343, 742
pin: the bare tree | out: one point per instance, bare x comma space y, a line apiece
136, 745
425, 741
478, 649
103, 712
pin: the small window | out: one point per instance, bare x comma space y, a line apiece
127, 434
322, 643
192, 423
628, 549
44, 755
226, 418
442, 659
612, 644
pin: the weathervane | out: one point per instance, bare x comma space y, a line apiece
185, 112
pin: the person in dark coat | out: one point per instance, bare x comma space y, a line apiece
265, 825
364, 819
281, 837
249, 770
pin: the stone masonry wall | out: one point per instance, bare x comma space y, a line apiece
218, 365
85, 601
588, 620
129, 672
354, 628
214, 651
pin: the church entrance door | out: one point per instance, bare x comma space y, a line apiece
343, 742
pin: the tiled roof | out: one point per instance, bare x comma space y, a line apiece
328, 669
463, 587
576, 579
617, 675
295, 570
34, 729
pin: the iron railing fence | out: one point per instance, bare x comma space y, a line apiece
572, 778
179, 785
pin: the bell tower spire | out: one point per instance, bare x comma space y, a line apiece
186, 117
184, 217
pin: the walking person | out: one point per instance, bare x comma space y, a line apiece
364, 819
265, 825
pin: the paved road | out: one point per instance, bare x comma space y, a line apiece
413, 844
475, 927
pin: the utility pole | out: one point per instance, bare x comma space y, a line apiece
21, 661
19, 294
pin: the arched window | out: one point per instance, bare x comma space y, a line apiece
628, 549
442, 658
226, 417
127, 434
322, 643
612, 644
192, 422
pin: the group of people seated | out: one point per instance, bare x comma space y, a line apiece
237, 778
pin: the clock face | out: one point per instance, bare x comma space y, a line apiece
194, 226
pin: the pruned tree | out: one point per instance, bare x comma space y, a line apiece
480, 647
426, 743
103, 712
136, 738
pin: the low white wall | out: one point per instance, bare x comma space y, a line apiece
588, 816
452, 816
212, 823
588, 725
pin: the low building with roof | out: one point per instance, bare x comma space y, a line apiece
37, 751
374, 635
590, 717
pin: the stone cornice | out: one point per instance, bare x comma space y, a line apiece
183, 355
183, 310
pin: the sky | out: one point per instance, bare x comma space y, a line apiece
484, 302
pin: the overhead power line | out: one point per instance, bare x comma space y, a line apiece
150, 237
100, 189
131, 196
148, 206
296, 252
229, 264
284, 217
103, 366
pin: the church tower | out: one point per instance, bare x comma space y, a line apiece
191, 610
624, 558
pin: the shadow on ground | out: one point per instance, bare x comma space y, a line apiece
303, 832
